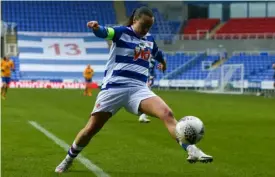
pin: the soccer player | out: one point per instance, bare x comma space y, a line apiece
7, 66
88, 74
124, 84
143, 118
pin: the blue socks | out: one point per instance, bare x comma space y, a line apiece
184, 146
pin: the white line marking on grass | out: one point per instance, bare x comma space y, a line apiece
86, 162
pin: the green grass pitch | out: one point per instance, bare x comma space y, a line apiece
240, 134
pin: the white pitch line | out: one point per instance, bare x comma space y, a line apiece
86, 162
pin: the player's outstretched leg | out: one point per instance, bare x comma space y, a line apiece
143, 118
95, 123
156, 107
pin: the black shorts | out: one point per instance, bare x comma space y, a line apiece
88, 80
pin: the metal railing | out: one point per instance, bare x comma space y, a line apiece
201, 36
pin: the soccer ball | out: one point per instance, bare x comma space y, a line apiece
189, 130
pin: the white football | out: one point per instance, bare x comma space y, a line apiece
189, 130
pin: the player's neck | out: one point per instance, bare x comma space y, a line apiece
136, 33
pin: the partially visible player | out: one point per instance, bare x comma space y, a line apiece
7, 66
143, 118
88, 74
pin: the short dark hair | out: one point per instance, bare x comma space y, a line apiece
138, 12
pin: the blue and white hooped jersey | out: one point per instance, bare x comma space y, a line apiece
130, 55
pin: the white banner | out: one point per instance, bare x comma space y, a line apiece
50, 85
267, 85
213, 83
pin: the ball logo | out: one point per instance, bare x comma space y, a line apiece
142, 52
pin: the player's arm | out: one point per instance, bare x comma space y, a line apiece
158, 55
101, 31
108, 33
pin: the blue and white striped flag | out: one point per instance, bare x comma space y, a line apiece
61, 55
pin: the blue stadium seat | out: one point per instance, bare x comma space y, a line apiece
57, 16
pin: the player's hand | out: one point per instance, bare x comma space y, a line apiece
93, 25
162, 66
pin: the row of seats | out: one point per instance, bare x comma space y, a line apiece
72, 16
200, 26
175, 60
57, 16
161, 25
244, 28
196, 72
256, 68
248, 25
235, 28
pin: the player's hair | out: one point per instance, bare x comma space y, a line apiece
138, 12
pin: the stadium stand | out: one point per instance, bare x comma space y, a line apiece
46, 16
174, 60
37, 61
161, 25
196, 71
199, 27
257, 66
247, 28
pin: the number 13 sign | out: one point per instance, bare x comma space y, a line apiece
64, 47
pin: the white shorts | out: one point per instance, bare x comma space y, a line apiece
112, 100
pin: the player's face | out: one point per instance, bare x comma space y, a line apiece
143, 24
